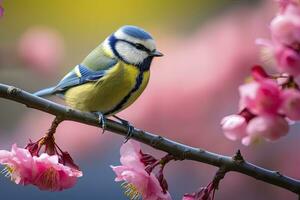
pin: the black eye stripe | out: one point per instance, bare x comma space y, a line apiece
141, 47
137, 45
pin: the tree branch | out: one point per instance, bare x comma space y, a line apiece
180, 151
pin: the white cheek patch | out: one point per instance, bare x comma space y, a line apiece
129, 53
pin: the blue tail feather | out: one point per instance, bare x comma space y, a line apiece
45, 92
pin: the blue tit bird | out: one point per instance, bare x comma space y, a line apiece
112, 76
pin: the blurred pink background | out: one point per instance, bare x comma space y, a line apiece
191, 88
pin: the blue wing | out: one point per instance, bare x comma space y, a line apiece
79, 75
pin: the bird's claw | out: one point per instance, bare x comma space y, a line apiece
102, 122
129, 132
130, 128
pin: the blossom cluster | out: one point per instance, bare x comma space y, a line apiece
269, 103
52, 170
137, 174
140, 181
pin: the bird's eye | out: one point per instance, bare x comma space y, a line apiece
141, 47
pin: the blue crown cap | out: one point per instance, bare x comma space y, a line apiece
136, 32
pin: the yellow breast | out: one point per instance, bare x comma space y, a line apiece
118, 89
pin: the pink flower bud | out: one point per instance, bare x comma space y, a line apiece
258, 73
234, 126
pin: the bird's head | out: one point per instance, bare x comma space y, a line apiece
133, 45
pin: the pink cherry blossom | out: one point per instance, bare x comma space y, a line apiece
43, 171
288, 60
285, 31
291, 104
131, 155
52, 175
260, 97
252, 129
137, 181
234, 126
19, 164
269, 127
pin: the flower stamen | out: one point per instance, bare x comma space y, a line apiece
7, 171
49, 178
131, 191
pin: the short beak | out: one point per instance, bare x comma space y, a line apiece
156, 53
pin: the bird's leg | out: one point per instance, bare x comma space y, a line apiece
130, 128
102, 120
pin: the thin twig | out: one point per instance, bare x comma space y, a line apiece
54, 126
220, 174
180, 151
